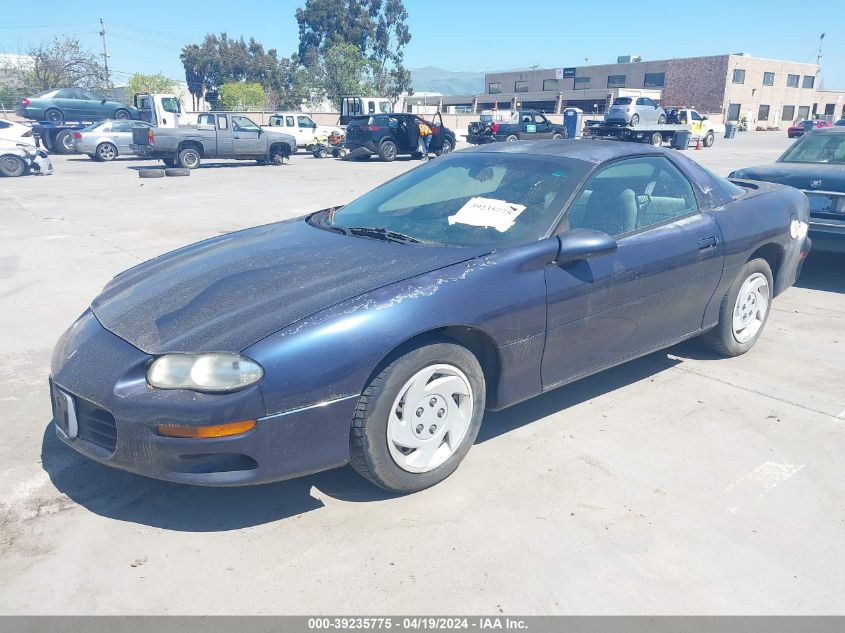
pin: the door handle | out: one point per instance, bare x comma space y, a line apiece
707, 242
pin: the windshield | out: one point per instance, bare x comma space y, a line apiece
468, 199
818, 147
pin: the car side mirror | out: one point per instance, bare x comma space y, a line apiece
579, 244
103, 100
704, 117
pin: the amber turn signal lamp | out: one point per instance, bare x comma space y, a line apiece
203, 432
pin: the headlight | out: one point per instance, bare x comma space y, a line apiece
733, 175
217, 372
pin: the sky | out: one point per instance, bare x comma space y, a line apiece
467, 35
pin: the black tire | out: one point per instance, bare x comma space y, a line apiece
122, 115
12, 166
511, 138
557, 136
447, 147
64, 142
722, 337
387, 151
177, 171
336, 153
54, 115
661, 120
635, 119
168, 162
656, 139
189, 158
150, 173
709, 138
106, 152
369, 451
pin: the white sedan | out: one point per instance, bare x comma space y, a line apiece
16, 132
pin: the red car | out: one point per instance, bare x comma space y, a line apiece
806, 126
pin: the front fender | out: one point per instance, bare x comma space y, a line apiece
331, 354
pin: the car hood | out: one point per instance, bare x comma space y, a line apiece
798, 175
226, 293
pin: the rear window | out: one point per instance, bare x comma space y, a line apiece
359, 121
622, 101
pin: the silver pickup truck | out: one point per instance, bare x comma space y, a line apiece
216, 135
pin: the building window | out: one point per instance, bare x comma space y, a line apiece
582, 83
763, 113
792, 81
616, 81
550, 84
739, 76
494, 88
654, 80
768, 79
733, 111
829, 109
788, 113
803, 112
520, 86
809, 81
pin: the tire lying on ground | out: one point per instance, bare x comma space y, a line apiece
150, 173
177, 171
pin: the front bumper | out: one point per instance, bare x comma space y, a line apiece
117, 412
42, 163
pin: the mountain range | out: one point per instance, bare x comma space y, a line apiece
446, 82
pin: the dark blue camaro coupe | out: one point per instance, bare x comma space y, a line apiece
379, 332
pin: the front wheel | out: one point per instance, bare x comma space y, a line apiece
708, 139
446, 149
418, 418
557, 136
54, 116
12, 166
744, 310
122, 115
189, 158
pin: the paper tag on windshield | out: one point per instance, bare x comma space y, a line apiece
496, 214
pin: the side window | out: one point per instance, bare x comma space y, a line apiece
371, 107
695, 115
641, 101
121, 126
304, 121
289, 121
205, 119
632, 194
89, 96
243, 124
527, 118
169, 104
541, 120
4, 125
223, 121
105, 129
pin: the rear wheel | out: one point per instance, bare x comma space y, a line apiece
635, 119
106, 152
512, 138
744, 310
661, 119
64, 142
656, 139
122, 114
12, 166
418, 418
387, 151
53, 115
189, 158
557, 136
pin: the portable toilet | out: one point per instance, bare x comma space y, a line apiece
573, 121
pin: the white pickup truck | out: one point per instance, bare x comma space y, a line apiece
301, 126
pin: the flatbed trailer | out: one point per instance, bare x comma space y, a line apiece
57, 138
655, 133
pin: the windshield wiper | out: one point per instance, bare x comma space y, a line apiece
380, 234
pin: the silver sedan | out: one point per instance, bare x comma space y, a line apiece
106, 140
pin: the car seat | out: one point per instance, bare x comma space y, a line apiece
610, 211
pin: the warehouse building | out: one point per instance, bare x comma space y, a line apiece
767, 92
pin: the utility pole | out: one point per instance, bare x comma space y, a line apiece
819, 56
105, 56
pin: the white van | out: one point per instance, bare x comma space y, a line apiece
301, 126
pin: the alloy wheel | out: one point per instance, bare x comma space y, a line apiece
751, 307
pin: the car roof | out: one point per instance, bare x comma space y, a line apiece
592, 151
830, 130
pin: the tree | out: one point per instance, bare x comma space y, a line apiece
378, 28
59, 63
242, 96
140, 82
195, 72
347, 72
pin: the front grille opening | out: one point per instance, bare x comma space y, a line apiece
96, 425
206, 463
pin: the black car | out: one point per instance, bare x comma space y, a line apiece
390, 135
815, 164
509, 126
